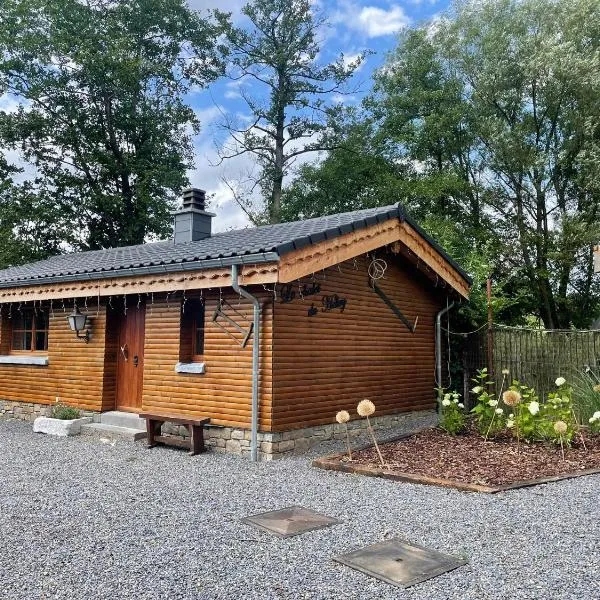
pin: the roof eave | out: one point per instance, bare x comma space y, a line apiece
244, 259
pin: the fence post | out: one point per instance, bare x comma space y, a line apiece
490, 332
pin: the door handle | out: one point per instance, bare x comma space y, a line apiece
135, 360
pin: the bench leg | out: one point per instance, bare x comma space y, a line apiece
196, 440
152, 430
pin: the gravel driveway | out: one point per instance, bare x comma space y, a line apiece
80, 519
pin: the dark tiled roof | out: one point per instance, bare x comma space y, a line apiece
253, 245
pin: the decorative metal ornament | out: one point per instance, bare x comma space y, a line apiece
377, 268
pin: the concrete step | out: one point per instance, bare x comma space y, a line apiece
122, 419
112, 431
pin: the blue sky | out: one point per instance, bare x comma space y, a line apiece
355, 26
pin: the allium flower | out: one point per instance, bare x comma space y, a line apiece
505, 372
446, 402
365, 408
499, 411
560, 427
477, 389
493, 403
534, 407
511, 398
596, 388
343, 416
560, 381
510, 423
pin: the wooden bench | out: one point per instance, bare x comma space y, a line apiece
154, 422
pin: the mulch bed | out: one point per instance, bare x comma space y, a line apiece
468, 462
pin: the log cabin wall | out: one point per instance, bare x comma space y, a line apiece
224, 391
75, 372
332, 360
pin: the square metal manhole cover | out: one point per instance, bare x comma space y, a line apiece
399, 563
290, 521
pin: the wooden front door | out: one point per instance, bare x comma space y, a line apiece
130, 358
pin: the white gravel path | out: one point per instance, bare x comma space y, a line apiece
80, 519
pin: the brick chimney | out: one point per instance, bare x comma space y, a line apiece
192, 222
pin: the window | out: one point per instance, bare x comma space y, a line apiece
29, 331
192, 331
197, 310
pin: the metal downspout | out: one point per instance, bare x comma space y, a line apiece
255, 360
438, 345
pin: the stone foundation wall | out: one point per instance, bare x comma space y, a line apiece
297, 441
237, 441
29, 411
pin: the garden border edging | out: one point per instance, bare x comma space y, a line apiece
333, 462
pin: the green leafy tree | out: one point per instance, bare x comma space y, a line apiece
102, 116
291, 100
491, 118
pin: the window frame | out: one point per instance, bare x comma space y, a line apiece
34, 331
199, 313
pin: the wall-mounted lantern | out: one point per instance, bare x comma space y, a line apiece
79, 322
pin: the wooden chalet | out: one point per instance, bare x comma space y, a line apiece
265, 331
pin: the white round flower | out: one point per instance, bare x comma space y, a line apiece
493, 403
511, 417
446, 396
461, 405
477, 389
505, 371
592, 419
499, 411
510, 423
560, 381
446, 402
534, 407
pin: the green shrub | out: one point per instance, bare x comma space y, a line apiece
586, 395
490, 418
452, 413
65, 413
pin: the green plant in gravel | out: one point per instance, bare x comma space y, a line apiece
489, 416
65, 413
453, 419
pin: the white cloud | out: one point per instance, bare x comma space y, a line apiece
8, 103
349, 58
372, 21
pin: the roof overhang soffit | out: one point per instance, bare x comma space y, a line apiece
404, 238
118, 286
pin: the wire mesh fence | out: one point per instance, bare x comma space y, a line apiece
536, 357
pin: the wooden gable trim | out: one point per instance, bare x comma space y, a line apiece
118, 286
406, 239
